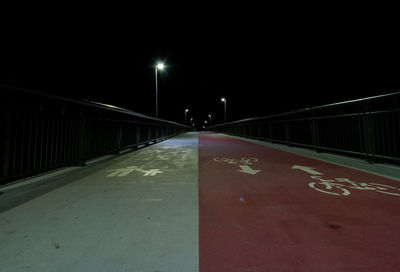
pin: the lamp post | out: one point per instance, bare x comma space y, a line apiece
160, 66
223, 99
186, 111
191, 120
209, 116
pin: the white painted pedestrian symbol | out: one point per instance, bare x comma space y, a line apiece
121, 172
162, 157
151, 172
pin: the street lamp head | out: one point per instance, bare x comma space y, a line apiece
160, 66
205, 122
209, 115
223, 99
187, 110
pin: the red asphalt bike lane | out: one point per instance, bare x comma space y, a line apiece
286, 218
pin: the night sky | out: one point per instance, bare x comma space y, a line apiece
262, 64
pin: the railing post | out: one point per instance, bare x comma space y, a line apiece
287, 132
137, 134
82, 143
119, 139
369, 134
7, 138
148, 134
315, 131
156, 131
270, 131
397, 107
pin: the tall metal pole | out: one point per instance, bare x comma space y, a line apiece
225, 109
156, 94
186, 117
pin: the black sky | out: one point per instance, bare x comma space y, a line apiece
262, 64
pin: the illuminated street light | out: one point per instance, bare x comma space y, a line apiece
223, 99
186, 111
209, 116
159, 66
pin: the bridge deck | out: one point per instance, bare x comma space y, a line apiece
204, 202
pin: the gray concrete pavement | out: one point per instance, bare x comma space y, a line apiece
138, 212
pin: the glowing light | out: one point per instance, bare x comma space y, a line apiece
160, 66
223, 99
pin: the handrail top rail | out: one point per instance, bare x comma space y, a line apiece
90, 103
306, 109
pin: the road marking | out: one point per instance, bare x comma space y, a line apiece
306, 169
340, 186
243, 164
151, 200
246, 169
122, 172
343, 184
243, 160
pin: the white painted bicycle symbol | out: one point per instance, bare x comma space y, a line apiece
340, 186
244, 160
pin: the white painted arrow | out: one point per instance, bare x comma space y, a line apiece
306, 169
246, 169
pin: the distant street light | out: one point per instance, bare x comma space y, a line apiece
186, 111
209, 116
191, 120
223, 99
160, 66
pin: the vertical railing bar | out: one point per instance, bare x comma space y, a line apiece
15, 144
22, 146
52, 151
9, 116
35, 155
48, 143
30, 140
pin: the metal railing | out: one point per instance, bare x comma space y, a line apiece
40, 132
368, 128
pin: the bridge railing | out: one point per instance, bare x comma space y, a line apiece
40, 132
368, 128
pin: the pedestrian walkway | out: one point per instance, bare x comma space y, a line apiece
205, 202
138, 212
